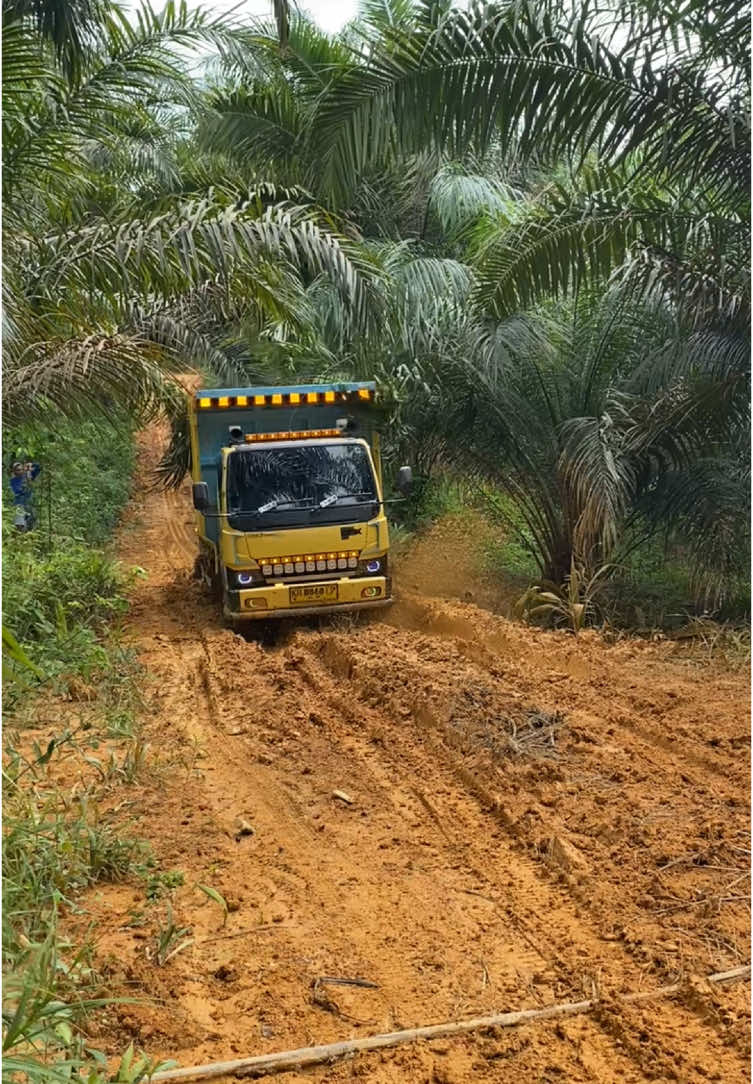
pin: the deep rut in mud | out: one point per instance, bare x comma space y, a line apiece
471, 815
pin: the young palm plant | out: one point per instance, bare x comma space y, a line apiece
584, 415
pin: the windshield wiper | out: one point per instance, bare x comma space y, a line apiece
334, 498
272, 505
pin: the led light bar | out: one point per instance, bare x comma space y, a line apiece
309, 562
293, 398
297, 434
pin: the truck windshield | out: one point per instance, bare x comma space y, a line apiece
300, 484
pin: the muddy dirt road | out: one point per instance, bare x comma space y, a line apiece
527, 819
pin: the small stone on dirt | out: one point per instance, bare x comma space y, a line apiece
565, 854
342, 796
244, 828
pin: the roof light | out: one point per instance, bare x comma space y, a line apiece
296, 434
284, 397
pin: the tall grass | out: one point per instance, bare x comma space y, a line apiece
61, 590
60, 585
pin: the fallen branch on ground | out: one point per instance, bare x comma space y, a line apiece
316, 1055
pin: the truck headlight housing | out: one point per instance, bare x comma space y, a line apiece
248, 578
374, 566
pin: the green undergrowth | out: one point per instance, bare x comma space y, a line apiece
431, 500
61, 585
58, 841
651, 588
73, 702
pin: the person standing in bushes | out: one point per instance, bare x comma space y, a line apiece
21, 477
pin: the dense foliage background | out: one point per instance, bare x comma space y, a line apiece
529, 221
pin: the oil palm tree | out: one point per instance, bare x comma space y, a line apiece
583, 415
110, 269
662, 129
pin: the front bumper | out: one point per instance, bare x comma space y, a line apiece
262, 603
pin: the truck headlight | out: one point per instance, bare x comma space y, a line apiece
374, 566
247, 579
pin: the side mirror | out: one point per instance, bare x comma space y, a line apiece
201, 496
405, 480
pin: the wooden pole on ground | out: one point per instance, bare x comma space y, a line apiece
315, 1055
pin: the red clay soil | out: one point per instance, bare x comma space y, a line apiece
528, 819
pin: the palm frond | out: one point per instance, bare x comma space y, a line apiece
134, 61
514, 75
84, 375
196, 242
70, 26
459, 199
573, 238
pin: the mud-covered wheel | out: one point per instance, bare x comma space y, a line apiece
206, 573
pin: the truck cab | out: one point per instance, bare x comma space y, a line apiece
289, 499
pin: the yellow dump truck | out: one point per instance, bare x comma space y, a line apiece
289, 499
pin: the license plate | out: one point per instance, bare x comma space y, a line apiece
326, 592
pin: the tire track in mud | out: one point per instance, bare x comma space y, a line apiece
464, 876
387, 788
530, 907
583, 887
559, 952
479, 639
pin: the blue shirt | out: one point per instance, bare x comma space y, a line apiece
19, 483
